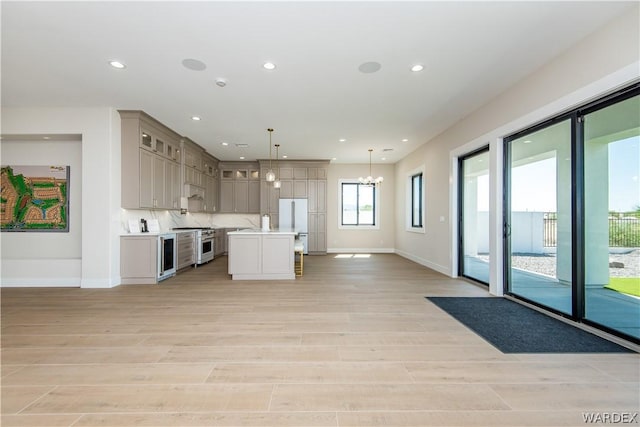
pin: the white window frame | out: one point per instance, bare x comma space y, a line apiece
409, 200
376, 208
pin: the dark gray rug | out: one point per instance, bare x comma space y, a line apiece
514, 328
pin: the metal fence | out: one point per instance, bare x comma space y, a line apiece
623, 232
550, 233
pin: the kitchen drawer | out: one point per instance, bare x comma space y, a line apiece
186, 247
188, 236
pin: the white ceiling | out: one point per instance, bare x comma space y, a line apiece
56, 54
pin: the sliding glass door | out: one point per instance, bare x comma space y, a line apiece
572, 214
473, 223
612, 216
540, 249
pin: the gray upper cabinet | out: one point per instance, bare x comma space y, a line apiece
241, 196
286, 189
286, 173
317, 195
268, 198
254, 197
150, 156
227, 201
300, 173
317, 173
210, 183
239, 187
152, 160
193, 164
192, 154
210, 194
300, 189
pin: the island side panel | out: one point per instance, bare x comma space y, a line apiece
277, 254
261, 255
245, 254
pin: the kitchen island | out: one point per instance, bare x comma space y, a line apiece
256, 254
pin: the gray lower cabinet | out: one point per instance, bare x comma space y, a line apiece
186, 249
138, 260
219, 242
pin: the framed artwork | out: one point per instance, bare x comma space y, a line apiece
34, 198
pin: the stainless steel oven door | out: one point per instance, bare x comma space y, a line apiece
205, 249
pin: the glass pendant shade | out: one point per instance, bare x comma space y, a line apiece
276, 179
270, 176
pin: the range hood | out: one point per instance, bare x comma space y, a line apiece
194, 192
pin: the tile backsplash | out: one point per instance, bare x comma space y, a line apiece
171, 219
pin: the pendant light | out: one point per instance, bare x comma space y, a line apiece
277, 183
270, 176
370, 180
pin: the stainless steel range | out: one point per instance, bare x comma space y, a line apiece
204, 243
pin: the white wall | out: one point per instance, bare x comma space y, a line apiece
100, 211
53, 249
607, 59
365, 240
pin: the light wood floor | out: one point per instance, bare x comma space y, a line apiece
352, 343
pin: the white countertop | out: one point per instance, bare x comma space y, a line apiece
261, 231
157, 233
150, 233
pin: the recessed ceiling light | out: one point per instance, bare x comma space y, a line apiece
220, 82
528, 141
334, 158
241, 157
242, 145
46, 137
405, 140
417, 68
384, 158
117, 64
342, 140
284, 157
196, 118
224, 143
269, 66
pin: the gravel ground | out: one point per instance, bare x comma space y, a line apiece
546, 264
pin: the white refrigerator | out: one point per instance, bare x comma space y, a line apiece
292, 214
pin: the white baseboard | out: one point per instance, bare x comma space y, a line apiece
67, 282
437, 267
99, 283
360, 250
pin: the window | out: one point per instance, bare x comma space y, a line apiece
358, 204
416, 200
